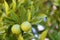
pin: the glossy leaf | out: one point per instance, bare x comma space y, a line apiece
13, 5
6, 6
44, 34
29, 15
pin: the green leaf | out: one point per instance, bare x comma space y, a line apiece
13, 5
29, 35
51, 37
38, 19
44, 34
10, 37
1, 1
8, 20
56, 2
6, 6
1, 14
29, 15
2, 29
58, 36
42, 15
14, 16
22, 14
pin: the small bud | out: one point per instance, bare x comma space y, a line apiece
40, 27
36, 36
54, 7
34, 30
33, 39
45, 19
46, 38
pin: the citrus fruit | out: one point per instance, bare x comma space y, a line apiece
26, 26
15, 29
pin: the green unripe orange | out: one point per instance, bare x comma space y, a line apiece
26, 26
16, 29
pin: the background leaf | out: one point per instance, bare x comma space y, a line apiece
44, 34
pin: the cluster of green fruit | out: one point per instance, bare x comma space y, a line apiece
16, 29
